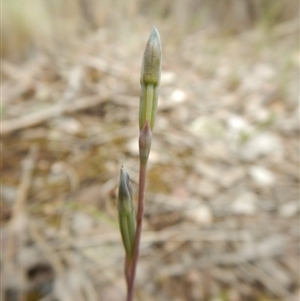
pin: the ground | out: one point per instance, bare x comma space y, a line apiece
221, 211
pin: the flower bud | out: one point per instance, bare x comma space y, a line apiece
150, 79
127, 221
151, 66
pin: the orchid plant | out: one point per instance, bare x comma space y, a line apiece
130, 222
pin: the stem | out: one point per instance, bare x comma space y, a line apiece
127, 270
140, 212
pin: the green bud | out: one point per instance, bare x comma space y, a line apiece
150, 79
127, 220
151, 67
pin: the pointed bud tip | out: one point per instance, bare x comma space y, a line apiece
154, 40
123, 173
154, 33
125, 188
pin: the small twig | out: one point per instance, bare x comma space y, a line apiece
18, 222
26, 178
71, 174
43, 115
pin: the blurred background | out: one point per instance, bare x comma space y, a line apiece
222, 201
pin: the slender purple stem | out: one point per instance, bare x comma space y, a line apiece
140, 212
127, 270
